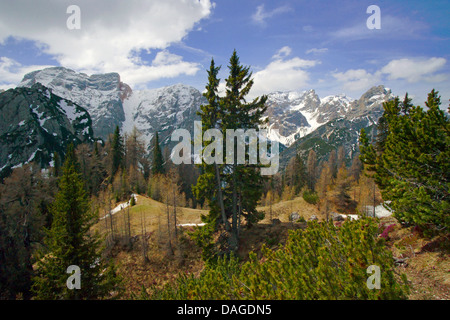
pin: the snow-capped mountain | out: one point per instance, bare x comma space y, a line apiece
162, 110
296, 114
112, 103
342, 125
36, 123
101, 94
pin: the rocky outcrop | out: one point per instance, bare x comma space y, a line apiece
344, 129
36, 123
101, 94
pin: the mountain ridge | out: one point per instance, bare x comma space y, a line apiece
36, 123
295, 114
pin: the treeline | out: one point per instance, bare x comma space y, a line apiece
45, 227
336, 183
32, 212
125, 165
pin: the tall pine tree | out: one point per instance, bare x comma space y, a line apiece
241, 185
69, 242
117, 150
158, 161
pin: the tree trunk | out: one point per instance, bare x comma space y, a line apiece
219, 192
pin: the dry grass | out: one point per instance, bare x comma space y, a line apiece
427, 261
283, 209
152, 212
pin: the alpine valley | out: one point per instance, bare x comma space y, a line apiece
55, 106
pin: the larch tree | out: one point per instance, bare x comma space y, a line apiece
311, 167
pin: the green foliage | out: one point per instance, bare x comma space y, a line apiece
70, 242
310, 196
411, 164
132, 201
320, 262
203, 238
24, 197
117, 149
232, 190
158, 161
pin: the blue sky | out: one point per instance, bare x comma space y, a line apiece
290, 45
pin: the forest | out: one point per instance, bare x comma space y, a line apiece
224, 231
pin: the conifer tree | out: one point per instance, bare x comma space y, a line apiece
210, 185
295, 173
413, 170
21, 222
158, 161
242, 184
311, 169
117, 150
69, 242
240, 114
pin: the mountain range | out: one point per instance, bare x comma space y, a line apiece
57, 105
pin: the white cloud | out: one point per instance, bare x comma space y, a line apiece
283, 52
282, 74
414, 70
12, 72
112, 32
165, 65
316, 50
308, 28
261, 15
406, 73
355, 80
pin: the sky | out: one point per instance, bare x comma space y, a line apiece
329, 46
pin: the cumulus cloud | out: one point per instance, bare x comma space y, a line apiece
282, 74
357, 79
11, 72
112, 33
283, 52
414, 70
411, 70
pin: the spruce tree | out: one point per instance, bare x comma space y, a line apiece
117, 150
413, 170
240, 114
158, 161
242, 183
209, 184
69, 242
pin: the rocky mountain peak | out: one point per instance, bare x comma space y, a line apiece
101, 94
36, 123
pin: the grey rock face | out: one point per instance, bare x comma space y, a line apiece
163, 110
344, 129
297, 114
102, 95
35, 123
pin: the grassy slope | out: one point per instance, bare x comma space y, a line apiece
426, 261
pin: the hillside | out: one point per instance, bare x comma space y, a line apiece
425, 261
